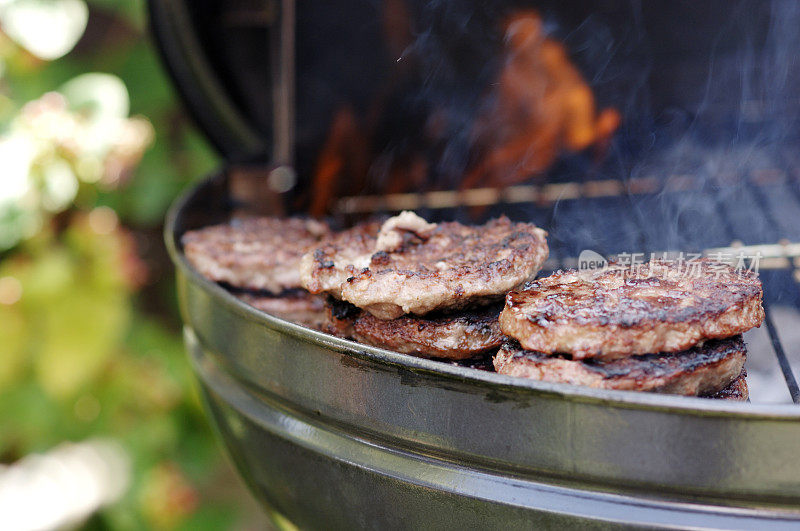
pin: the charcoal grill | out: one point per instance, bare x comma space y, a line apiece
330, 433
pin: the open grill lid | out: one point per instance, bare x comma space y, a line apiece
198, 48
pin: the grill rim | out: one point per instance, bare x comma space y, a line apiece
621, 399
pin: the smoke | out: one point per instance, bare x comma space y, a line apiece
456, 48
709, 93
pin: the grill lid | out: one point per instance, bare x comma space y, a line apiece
212, 52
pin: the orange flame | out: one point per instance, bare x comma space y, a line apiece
539, 107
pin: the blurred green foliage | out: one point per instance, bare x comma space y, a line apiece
90, 337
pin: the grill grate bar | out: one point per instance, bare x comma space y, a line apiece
774, 256
783, 361
777, 346
541, 194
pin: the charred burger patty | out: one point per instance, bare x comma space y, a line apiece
254, 253
618, 312
457, 336
700, 370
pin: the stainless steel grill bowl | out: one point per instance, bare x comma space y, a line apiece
333, 434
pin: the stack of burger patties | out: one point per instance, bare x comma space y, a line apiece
430, 290
663, 326
258, 259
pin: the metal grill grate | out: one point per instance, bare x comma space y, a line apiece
752, 211
783, 361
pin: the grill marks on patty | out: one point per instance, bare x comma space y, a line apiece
458, 336
700, 370
254, 253
325, 268
419, 268
617, 313
447, 336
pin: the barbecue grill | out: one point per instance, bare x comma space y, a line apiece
331, 433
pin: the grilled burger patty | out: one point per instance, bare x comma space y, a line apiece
456, 337
617, 312
254, 253
413, 267
328, 266
297, 306
459, 336
700, 370
737, 390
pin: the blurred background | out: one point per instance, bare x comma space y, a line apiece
96, 401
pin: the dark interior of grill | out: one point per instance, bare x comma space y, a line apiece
704, 158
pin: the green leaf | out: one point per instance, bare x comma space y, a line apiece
13, 346
80, 330
132, 10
